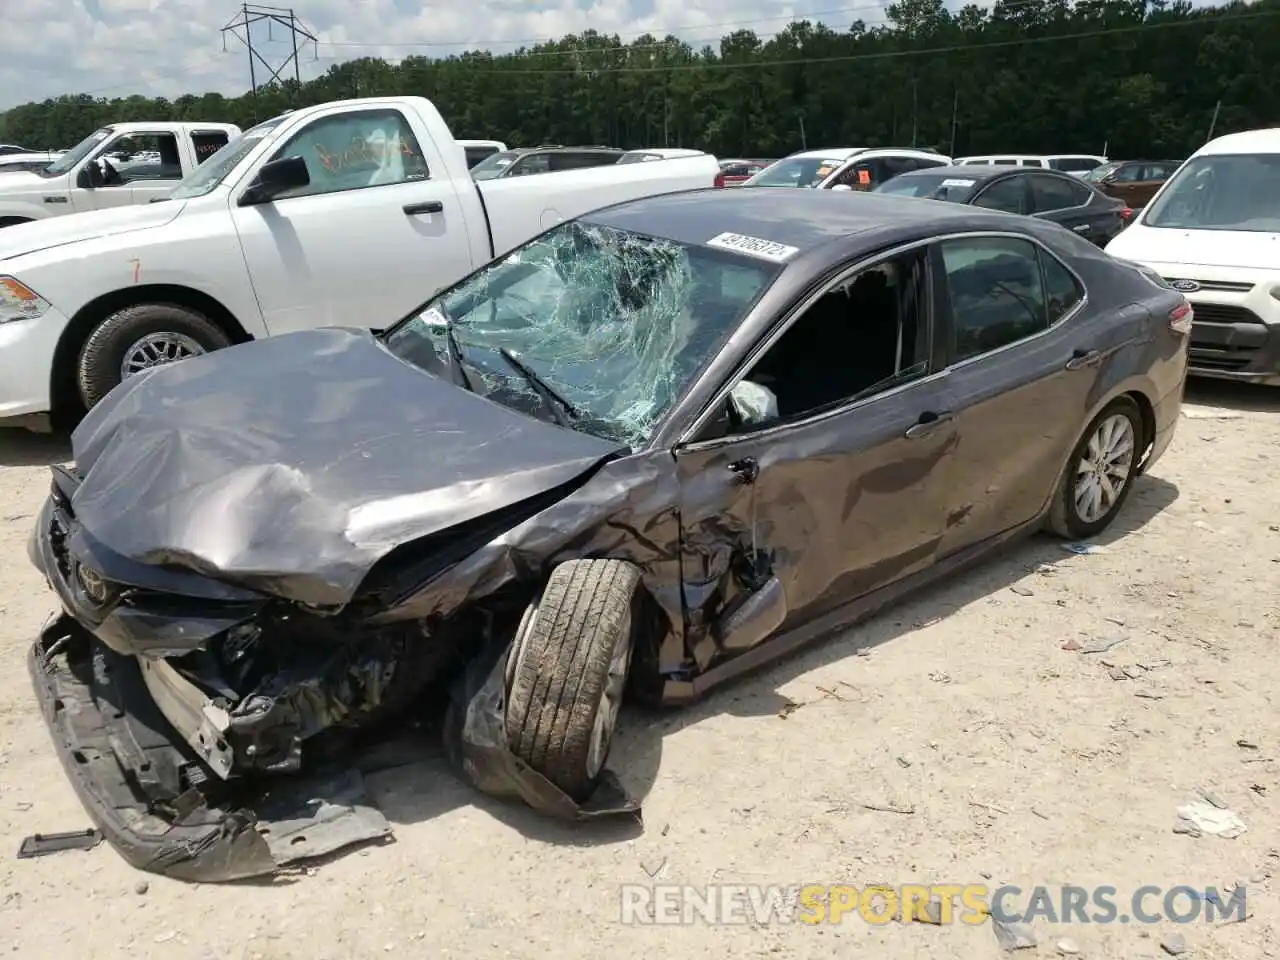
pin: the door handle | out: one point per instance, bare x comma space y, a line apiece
1084, 358
427, 206
928, 422
1081, 228
746, 470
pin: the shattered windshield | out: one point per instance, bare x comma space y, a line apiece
213, 171
606, 324
1221, 192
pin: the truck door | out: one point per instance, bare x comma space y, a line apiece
375, 233
139, 166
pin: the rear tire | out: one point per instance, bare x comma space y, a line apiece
136, 332
568, 669
1100, 472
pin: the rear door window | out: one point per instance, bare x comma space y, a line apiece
208, 142
1050, 193
1009, 195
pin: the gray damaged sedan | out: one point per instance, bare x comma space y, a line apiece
646, 451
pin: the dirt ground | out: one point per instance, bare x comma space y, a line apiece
1009, 760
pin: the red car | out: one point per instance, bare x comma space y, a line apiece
734, 173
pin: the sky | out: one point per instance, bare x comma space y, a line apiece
114, 48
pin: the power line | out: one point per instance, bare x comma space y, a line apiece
1208, 21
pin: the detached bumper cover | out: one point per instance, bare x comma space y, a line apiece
150, 796
158, 804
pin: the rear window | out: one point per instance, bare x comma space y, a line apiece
208, 142
930, 186
495, 165
1073, 164
639, 156
476, 154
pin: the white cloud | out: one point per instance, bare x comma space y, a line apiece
169, 47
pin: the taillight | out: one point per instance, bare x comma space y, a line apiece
1126, 215
718, 181
1180, 318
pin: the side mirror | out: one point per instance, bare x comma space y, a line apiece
276, 177
91, 175
842, 186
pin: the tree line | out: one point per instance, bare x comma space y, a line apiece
1137, 77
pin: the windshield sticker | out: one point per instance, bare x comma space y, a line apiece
957, 183
754, 247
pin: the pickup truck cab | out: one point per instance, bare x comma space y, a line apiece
119, 165
349, 213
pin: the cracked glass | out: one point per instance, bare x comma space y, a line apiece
597, 328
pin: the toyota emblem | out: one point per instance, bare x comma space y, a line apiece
1185, 286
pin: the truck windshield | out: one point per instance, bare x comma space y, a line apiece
614, 323
68, 160
1221, 192
204, 178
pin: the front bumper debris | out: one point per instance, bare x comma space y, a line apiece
152, 797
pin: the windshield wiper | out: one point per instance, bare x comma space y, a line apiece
455, 355
560, 408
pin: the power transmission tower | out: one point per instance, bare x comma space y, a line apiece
284, 17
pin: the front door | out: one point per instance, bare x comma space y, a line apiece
1024, 363
141, 166
371, 236
831, 472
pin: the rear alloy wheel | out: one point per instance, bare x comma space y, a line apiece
138, 338
567, 670
1100, 473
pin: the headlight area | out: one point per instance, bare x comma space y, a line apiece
20, 302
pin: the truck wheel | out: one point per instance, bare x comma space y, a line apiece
138, 338
1100, 473
568, 670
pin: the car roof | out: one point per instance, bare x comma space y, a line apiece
1250, 141
805, 219
834, 153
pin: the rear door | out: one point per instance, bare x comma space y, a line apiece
1022, 368
1069, 201
372, 235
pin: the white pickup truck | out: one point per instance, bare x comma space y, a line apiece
348, 213
117, 166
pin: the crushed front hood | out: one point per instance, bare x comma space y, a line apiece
293, 464
70, 228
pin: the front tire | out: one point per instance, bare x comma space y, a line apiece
139, 337
568, 670
1100, 472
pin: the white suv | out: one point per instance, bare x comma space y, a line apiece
852, 168
1211, 231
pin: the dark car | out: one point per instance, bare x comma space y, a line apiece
661, 444
734, 173
1134, 182
1047, 194
545, 159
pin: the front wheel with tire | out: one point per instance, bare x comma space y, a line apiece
568, 669
138, 338
1100, 473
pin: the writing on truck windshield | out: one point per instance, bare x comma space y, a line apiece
1221, 192
615, 324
